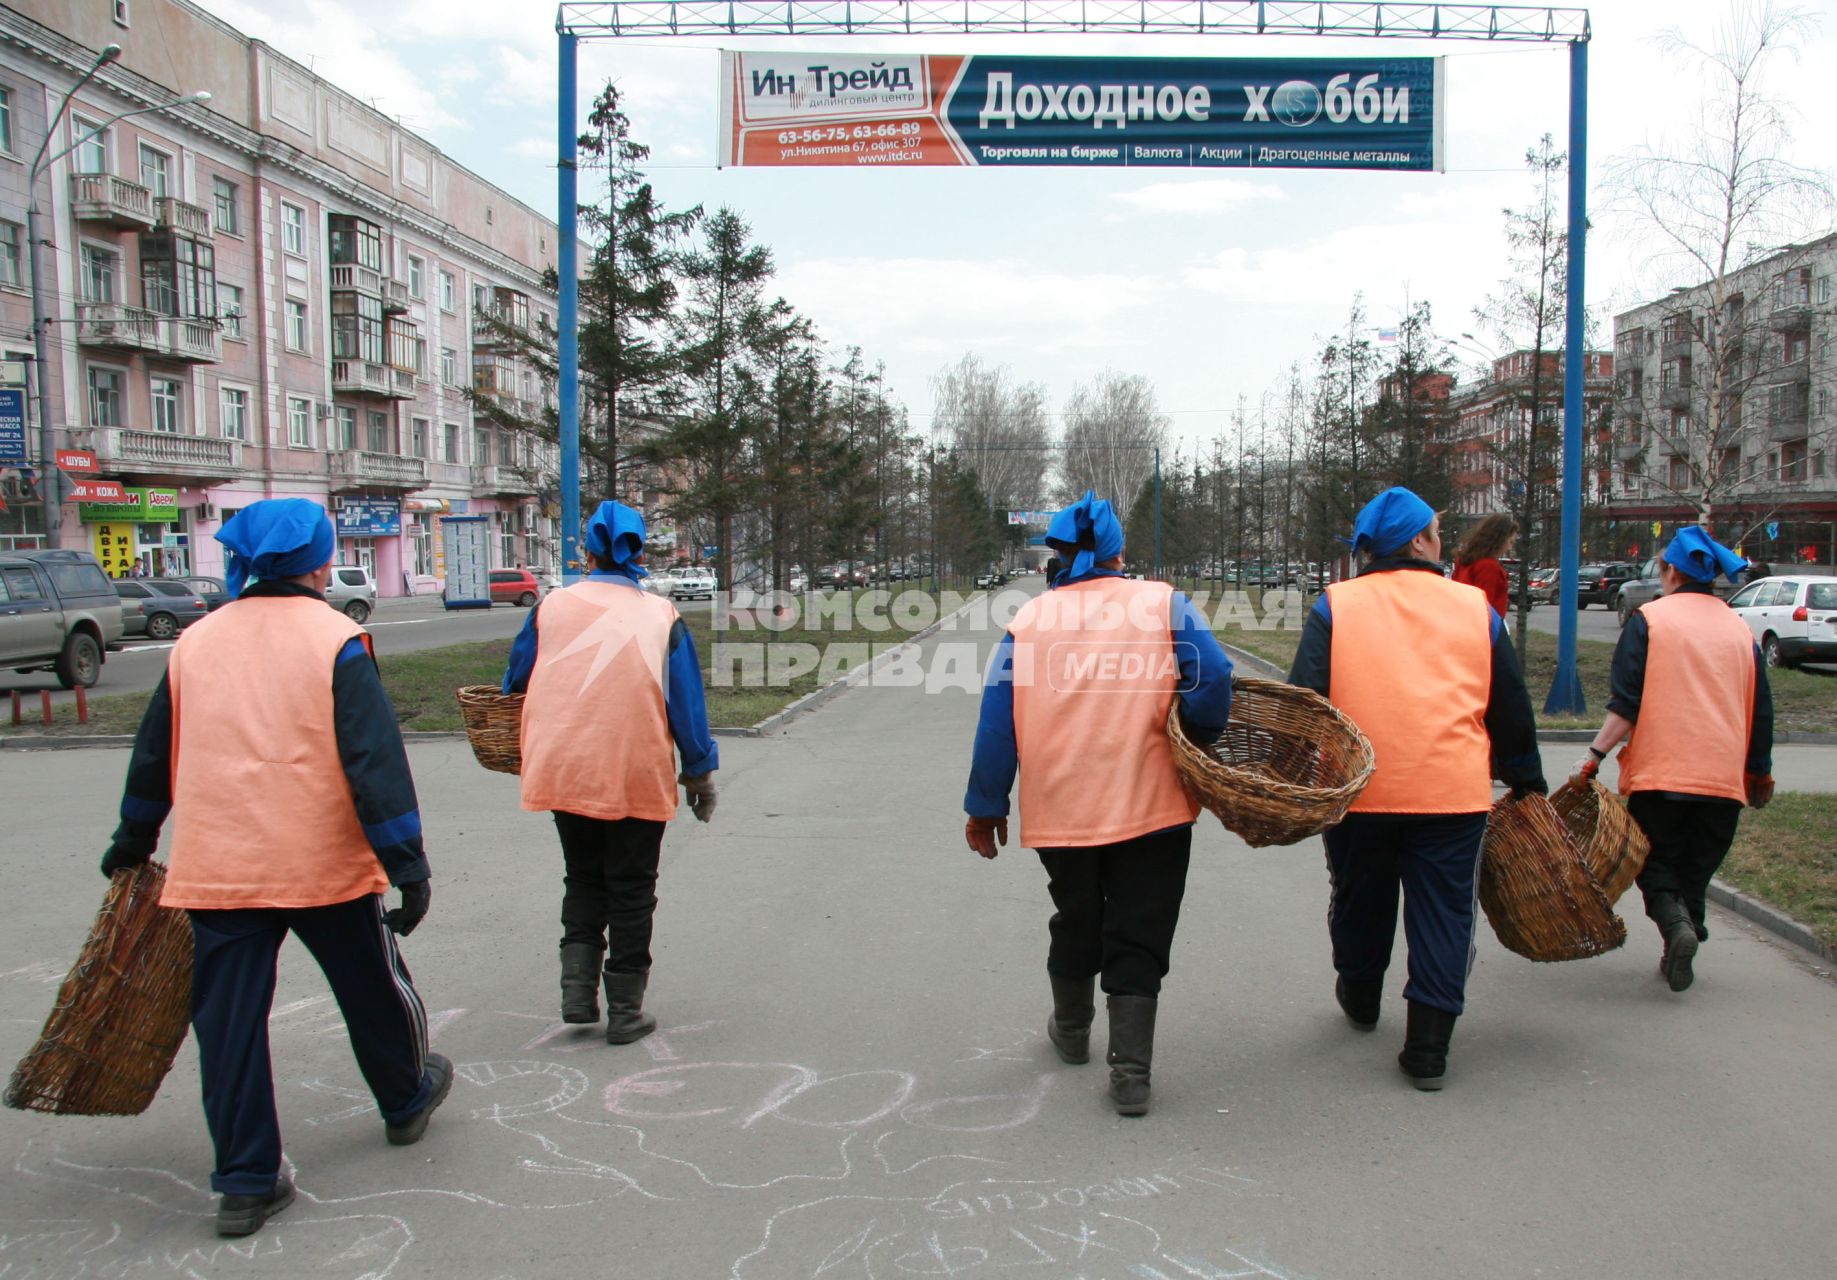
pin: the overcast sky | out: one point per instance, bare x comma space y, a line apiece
1208, 284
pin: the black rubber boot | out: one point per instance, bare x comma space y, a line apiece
1674, 926
1425, 1045
1073, 1008
1132, 1048
625, 1019
580, 982
244, 1215
1360, 999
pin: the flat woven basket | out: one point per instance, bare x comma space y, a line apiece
494, 726
122, 1012
1288, 766
1536, 889
1612, 844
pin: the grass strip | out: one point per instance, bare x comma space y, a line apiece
1784, 855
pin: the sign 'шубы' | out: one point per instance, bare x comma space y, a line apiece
795, 107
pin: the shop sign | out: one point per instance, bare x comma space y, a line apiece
148, 506
369, 518
77, 461
102, 493
115, 548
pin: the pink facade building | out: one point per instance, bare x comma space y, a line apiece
272, 294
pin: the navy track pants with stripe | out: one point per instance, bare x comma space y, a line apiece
232, 990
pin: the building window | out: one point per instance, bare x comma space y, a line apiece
296, 325
481, 447
449, 291
417, 270
355, 242
417, 437
12, 237
223, 196
357, 327
235, 414
104, 398
178, 275
449, 366
1795, 345
155, 171
293, 229
90, 153
376, 438
166, 417
1731, 463
347, 427
229, 309
97, 277
1792, 462
1795, 288
481, 299
450, 452
299, 422
6, 120
403, 341
420, 350
1679, 479
121, 13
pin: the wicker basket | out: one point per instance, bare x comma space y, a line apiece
1612, 844
122, 1012
1287, 767
1536, 889
494, 726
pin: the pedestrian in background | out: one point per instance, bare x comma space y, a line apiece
1476, 560
1690, 697
271, 743
1424, 667
614, 694
1101, 800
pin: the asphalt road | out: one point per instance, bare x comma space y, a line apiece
852, 1081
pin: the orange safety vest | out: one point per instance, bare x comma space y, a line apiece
262, 813
1412, 665
1697, 709
596, 731
1095, 674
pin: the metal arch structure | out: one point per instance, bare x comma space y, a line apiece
578, 20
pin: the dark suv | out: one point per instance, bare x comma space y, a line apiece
1599, 583
59, 613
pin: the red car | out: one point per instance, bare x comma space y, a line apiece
515, 586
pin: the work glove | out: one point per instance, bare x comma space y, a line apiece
121, 858
984, 834
416, 895
1589, 765
1760, 790
700, 792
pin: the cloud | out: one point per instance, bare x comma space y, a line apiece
1205, 196
534, 148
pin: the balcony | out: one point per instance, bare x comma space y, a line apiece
1789, 317
1676, 397
102, 197
117, 327
369, 378
493, 482
395, 296
1676, 446
1626, 449
356, 470
186, 338
186, 219
1671, 348
159, 455
351, 276
1797, 371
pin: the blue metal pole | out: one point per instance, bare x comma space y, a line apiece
568, 268
1157, 511
1566, 688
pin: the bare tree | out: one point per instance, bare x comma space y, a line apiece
999, 428
1709, 206
1113, 426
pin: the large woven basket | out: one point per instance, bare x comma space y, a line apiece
1536, 889
494, 726
1287, 767
1612, 844
122, 1012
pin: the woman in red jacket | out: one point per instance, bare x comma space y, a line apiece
1476, 560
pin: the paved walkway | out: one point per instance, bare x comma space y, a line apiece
851, 1079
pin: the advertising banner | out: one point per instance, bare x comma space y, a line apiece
12, 424
115, 548
149, 506
368, 518
796, 107
100, 493
467, 561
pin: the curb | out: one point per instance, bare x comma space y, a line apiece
1773, 920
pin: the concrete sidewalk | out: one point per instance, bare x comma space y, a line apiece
851, 1078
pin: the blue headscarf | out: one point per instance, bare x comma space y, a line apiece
1698, 556
275, 538
615, 536
1089, 531
1390, 522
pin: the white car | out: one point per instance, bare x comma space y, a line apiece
688, 584
1793, 617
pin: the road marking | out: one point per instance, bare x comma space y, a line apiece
144, 648
404, 622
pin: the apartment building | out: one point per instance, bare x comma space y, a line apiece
1724, 404
278, 293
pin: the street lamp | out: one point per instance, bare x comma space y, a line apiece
47, 459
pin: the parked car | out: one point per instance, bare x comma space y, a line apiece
515, 586
215, 594
1793, 617
158, 608
352, 591
1598, 583
1643, 586
689, 584
1545, 585
58, 613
